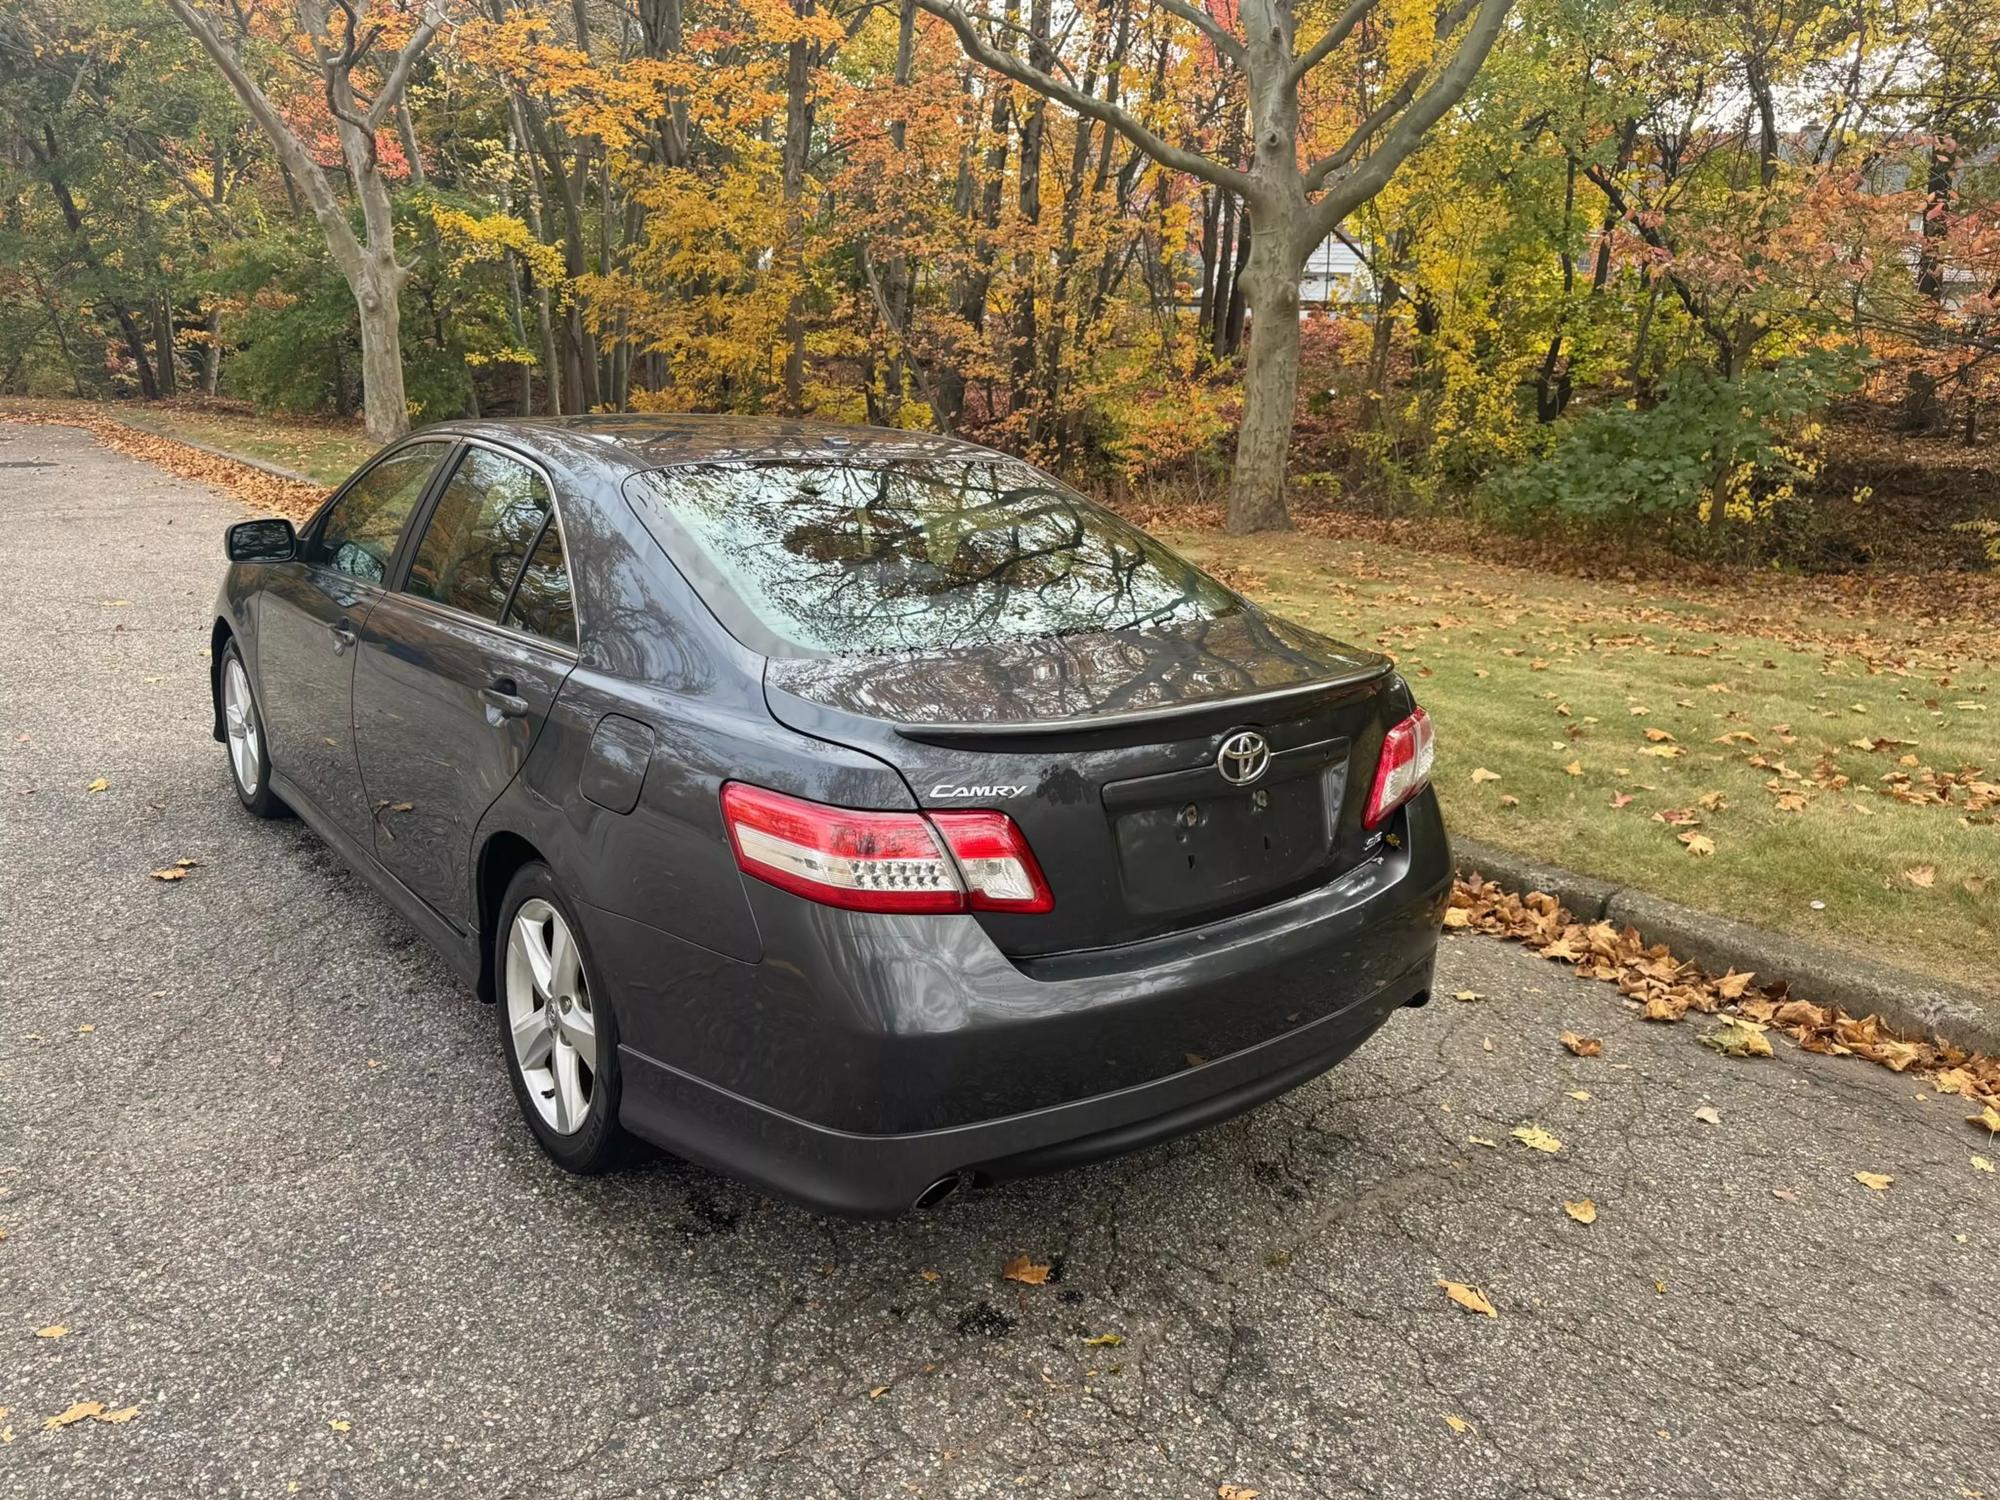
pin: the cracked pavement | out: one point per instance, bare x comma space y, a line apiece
258, 1154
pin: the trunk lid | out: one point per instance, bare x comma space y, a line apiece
1107, 749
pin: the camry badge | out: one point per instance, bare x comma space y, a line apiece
1244, 756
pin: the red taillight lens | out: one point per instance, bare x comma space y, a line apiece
999, 868
883, 861
869, 861
1404, 770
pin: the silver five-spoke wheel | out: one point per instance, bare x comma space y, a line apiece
549, 1016
240, 719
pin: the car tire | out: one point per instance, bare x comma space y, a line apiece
558, 1032
244, 738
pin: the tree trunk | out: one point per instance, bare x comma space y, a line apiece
163, 347
211, 354
1270, 284
385, 410
798, 142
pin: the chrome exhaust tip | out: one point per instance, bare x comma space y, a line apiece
937, 1192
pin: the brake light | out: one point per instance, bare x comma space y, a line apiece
1404, 770
883, 861
993, 855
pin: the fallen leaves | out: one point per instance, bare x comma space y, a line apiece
1235, 1492
1665, 989
1877, 1182
1708, 1115
258, 490
1026, 1271
1105, 1340
99, 785
1481, 774
1988, 1119
53, 1331
1738, 1037
1582, 1046
1468, 1297
1923, 877
1536, 1139
90, 1411
178, 870
1468, 995
1700, 845
1457, 1424
1583, 1210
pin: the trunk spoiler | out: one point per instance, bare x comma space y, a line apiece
1125, 718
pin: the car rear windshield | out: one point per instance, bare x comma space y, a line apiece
915, 555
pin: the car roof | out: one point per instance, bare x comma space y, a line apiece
641, 441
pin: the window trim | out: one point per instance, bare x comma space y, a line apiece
316, 527
396, 578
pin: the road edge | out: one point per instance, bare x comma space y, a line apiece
1914, 1004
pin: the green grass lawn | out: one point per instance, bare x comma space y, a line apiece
1543, 689
325, 451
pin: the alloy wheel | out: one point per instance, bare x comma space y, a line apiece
549, 1016
240, 719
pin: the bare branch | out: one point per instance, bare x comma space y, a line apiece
1362, 182
291, 150
1226, 41
398, 77
1177, 158
1322, 49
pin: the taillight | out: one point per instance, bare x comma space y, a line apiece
1404, 770
883, 861
999, 868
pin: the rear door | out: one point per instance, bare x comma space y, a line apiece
309, 616
457, 668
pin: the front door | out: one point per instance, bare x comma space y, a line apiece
309, 619
456, 670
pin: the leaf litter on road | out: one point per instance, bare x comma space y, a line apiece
1028, 1272
1468, 1297
1536, 1138
1666, 989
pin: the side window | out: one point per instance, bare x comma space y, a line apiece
358, 534
482, 527
543, 605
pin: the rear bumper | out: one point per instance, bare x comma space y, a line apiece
867, 1056
878, 1176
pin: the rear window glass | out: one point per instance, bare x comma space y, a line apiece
910, 556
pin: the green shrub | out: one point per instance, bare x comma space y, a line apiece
1710, 451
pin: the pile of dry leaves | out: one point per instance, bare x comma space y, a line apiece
257, 490
1663, 988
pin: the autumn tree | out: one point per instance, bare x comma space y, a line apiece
1295, 193
363, 67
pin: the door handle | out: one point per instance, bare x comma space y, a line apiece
343, 635
503, 701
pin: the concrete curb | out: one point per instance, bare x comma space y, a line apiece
1913, 1004
276, 471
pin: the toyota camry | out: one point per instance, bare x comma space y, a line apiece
863, 813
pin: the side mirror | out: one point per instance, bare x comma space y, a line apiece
261, 541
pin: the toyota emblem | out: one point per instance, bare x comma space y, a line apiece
1244, 756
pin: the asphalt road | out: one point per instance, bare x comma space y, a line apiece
258, 1156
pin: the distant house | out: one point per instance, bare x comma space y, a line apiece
1334, 276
